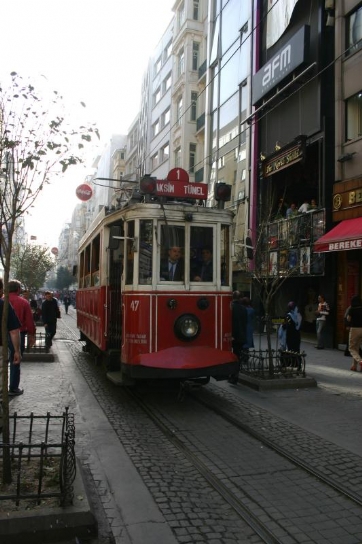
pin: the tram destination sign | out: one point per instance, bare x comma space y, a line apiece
181, 189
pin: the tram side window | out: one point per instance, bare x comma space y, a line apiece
201, 254
172, 265
87, 267
95, 260
81, 270
145, 252
130, 252
225, 254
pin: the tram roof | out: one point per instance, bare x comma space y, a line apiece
172, 211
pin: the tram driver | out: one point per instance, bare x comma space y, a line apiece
172, 268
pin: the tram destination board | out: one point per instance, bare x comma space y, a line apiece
178, 185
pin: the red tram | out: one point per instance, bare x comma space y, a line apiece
154, 292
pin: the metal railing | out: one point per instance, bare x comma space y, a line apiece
272, 364
39, 346
38, 443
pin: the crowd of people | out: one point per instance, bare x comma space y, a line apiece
285, 211
25, 311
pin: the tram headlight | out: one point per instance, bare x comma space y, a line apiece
187, 327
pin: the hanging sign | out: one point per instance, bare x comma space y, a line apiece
84, 192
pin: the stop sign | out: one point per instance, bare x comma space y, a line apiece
84, 192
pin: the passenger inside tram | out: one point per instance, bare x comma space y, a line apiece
205, 268
172, 268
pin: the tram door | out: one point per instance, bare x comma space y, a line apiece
114, 293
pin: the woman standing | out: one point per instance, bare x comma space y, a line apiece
354, 319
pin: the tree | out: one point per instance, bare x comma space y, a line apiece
283, 248
30, 265
64, 278
37, 143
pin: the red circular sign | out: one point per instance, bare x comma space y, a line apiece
178, 174
54, 250
84, 192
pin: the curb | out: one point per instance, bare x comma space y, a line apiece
51, 524
267, 385
38, 358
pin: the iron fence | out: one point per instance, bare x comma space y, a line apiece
39, 346
39, 444
270, 364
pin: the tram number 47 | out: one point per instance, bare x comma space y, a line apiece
134, 305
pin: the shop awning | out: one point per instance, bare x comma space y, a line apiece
345, 236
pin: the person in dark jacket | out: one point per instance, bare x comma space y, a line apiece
239, 328
354, 319
49, 313
172, 268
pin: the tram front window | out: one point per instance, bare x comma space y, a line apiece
172, 267
201, 255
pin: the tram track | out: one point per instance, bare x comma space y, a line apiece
287, 454
260, 529
253, 520
258, 481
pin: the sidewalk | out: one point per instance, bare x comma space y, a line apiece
129, 507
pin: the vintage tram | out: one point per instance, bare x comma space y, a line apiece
152, 317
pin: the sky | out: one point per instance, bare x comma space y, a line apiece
91, 51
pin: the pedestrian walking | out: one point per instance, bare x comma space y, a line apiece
321, 314
249, 323
289, 331
66, 302
354, 319
50, 313
239, 325
13, 327
23, 312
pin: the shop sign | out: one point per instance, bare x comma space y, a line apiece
285, 158
293, 54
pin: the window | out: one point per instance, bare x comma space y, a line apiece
154, 161
195, 11
354, 117
178, 157
166, 117
168, 50
157, 96
156, 127
181, 15
354, 29
195, 55
165, 153
166, 83
181, 63
145, 252
172, 264
192, 158
201, 252
158, 65
193, 111
179, 111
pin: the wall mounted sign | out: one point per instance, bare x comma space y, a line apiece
289, 57
286, 156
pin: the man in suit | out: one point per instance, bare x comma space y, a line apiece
204, 272
172, 268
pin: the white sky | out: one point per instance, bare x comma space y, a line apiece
94, 51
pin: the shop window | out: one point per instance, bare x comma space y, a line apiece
354, 117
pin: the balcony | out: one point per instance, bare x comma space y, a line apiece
285, 247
